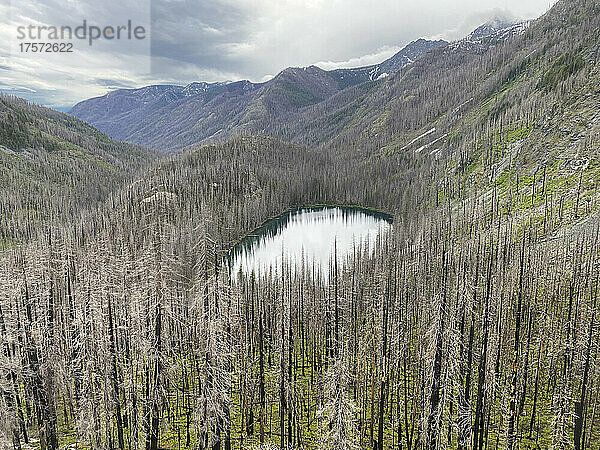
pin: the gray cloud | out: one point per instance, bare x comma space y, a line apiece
219, 40
112, 84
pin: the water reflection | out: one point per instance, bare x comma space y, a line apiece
310, 236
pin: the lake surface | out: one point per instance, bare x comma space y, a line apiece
309, 235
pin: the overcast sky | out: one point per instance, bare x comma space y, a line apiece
219, 40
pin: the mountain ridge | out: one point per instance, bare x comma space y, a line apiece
172, 117
293, 88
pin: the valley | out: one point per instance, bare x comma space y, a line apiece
469, 321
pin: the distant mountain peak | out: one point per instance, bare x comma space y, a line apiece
402, 59
498, 27
489, 34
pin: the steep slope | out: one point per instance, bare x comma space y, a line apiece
515, 126
52, 165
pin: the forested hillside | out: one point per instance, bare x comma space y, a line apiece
53, 165
474, 324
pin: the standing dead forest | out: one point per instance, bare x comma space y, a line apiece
473, 324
